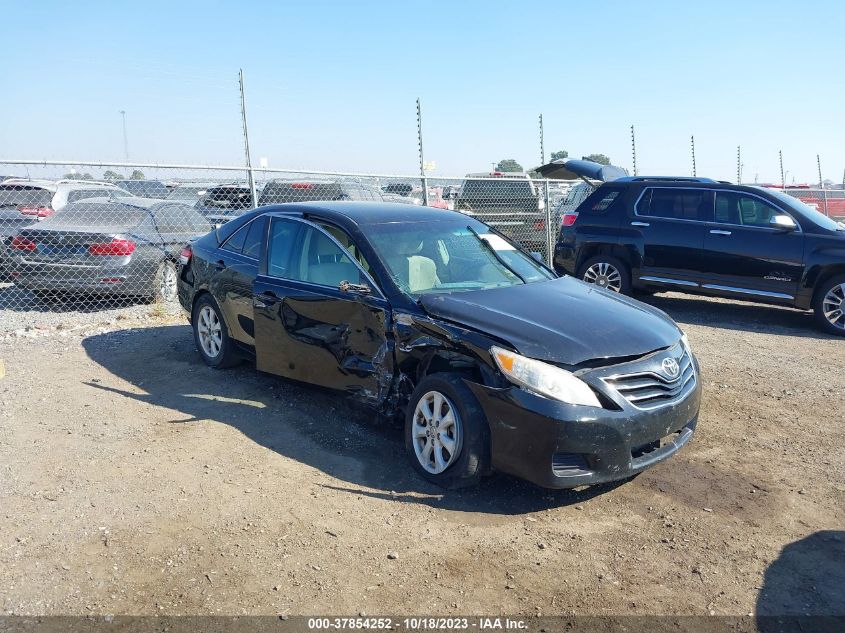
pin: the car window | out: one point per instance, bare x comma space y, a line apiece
235, 243
280, 247
737, 208
341, 236
600, 201
254, 238
23, 195
319, 260
82, 194
180, 219
675, 204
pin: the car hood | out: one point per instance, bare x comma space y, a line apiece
564, 169
563, 321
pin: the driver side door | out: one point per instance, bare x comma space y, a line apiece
306, 327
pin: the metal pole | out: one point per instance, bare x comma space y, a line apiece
738, 165
542, 146
249, 173
692, 146
821, 183
782, 177
634, 149
125, 138
550, 231
422, 159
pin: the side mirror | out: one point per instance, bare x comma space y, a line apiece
783, 222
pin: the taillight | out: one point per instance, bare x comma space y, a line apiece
19, 243
569, 219
185, 256
539, 225
39, 212
302, 185
115, 247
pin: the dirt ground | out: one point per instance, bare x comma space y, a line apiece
134, 480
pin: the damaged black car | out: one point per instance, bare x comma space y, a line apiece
494, 362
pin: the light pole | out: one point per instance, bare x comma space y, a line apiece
125, 141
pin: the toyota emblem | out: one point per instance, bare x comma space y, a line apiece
670, 367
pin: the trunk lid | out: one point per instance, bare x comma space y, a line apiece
570, 169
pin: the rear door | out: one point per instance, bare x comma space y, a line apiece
669, 222
306, 327
743, 255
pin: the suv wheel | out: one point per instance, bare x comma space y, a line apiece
606, 272
446, 434
829, 305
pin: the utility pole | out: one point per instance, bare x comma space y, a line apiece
738, 165
634, 149
821, 182
782, 177
692, 147
542, 145
422, 155
125, 138
250, 175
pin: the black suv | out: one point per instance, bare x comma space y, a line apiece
707, 237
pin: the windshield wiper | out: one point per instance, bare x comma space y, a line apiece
495, 254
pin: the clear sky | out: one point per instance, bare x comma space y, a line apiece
332, 85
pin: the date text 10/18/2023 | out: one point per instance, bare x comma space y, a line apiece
417, 623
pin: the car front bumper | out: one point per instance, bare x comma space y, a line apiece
557, 445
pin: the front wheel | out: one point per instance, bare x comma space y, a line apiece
446, 433
829, 305
606, 272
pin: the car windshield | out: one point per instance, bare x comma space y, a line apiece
451, 256
805, 210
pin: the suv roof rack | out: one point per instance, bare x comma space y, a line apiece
666, 179
68, 181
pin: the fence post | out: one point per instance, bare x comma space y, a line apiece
549, 233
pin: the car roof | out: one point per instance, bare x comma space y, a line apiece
364, 213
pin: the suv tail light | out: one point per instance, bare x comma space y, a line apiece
19, 243
185, 256
301, 185
115, 247
569, 219
39, 212
539, 225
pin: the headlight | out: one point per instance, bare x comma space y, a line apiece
544, 379
685, 341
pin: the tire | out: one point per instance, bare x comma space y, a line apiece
607, 272
165, 283
469, 433
829, 305
207, 316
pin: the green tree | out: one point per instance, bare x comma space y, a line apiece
508, 164
78, 176
560, 154
137, 175
112, 175
601, 159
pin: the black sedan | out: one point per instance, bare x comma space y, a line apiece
494, 361
105, 248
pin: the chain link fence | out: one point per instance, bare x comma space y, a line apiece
99, 237
95, 238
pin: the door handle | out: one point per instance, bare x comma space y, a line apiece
640, 224
719, 232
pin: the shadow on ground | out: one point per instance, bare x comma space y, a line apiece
310, 425
15, 299
807, 579
737, 315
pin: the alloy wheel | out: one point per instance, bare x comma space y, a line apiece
604, 275
833, 306
168, 287
436, 432
210, 331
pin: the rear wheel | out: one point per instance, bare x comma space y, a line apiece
606, 272
165, 288
211, 335
446, 433
829, 305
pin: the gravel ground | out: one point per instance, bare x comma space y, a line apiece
134, 480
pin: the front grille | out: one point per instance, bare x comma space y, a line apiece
652, 388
